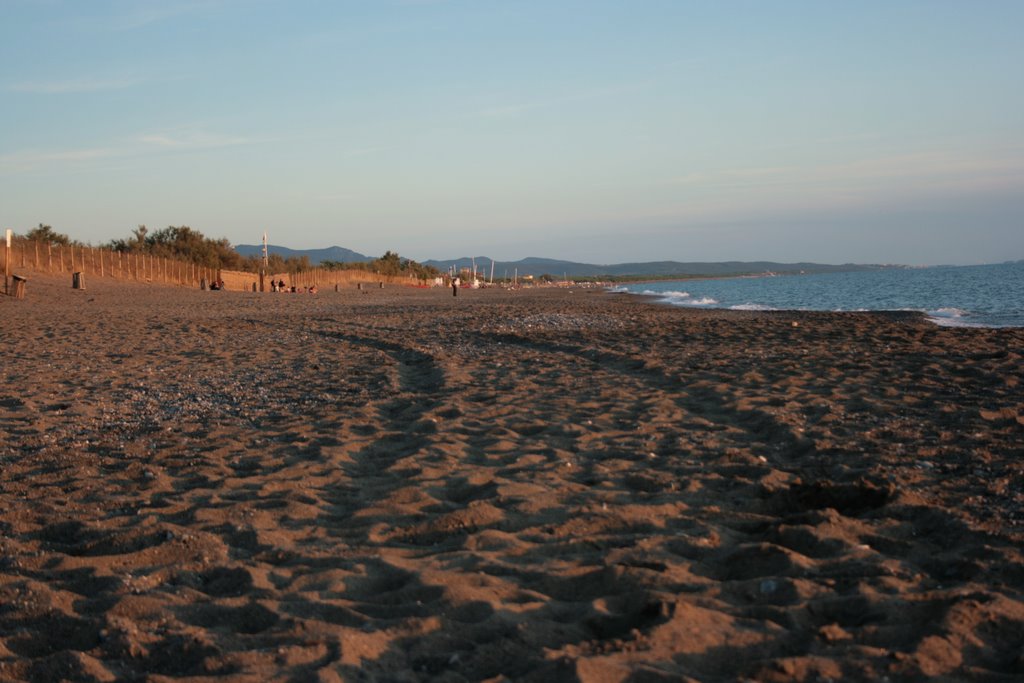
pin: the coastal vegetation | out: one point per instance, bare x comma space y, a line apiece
183, 243
388, 264
47, 235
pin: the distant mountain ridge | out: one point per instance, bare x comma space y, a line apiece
536, 266
316, 256
542, 266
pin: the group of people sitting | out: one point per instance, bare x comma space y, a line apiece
279, 286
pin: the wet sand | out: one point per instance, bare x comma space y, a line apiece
535, 485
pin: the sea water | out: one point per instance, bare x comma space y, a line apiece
971, 296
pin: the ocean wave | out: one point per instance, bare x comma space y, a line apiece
685, 299
951, 317
952, 322
751, 307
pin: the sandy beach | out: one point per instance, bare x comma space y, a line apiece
538, 485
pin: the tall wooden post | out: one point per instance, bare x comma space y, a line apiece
7, 260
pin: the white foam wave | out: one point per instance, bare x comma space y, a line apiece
752, 307
686, 299
952, 322
951, 317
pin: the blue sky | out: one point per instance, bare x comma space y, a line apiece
600, 131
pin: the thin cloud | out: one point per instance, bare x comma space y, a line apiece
192, 140
880, 181
517, 108
732, 177
139, 146
910, 169
144, 14
29, 160
81, 85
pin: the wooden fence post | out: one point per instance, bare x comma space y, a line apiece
7, 261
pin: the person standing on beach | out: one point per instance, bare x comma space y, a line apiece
455, 286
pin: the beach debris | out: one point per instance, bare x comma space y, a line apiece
18, 286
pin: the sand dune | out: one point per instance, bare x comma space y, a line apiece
536, 485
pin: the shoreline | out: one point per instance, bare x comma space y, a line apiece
529, 485
942, 316
891, 314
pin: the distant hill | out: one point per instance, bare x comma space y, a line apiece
544, 266
316, 256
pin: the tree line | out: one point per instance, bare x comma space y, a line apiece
388, 264
184, 243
